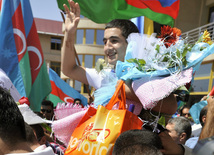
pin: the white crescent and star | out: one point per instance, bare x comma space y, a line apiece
30, 48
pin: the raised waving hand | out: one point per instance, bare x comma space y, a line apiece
72, 17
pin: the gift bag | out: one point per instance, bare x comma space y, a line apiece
99, 128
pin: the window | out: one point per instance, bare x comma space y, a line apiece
79, 36
100, 36
56, 67
80, 59
56, 43
200, 85
77, 86
88, 61
204, 70
203, 80
89, 36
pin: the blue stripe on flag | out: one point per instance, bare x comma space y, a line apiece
166, 3
8, 54
27, 16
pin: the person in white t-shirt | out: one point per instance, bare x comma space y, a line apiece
115, 44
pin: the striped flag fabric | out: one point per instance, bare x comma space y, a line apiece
21, 54
103, 11
62, 92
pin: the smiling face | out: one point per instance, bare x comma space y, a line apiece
114, 45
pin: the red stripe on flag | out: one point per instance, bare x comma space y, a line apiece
0, 4
19, 32
58, 92
35, 52
156, 7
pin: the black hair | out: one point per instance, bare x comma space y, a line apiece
77, 99
182, 108
126, 26
38, 131
137, 141
12, 128
47, 103
203, 112
30, 136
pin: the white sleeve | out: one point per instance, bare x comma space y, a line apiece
94, 79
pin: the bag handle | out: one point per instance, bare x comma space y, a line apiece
115, 98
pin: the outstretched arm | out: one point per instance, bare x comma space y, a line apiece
69, 66
208, 129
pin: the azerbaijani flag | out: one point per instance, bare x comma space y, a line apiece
103, 11
21, 54
63, 92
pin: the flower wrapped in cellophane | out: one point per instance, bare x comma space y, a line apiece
164, 55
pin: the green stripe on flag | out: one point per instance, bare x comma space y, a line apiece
54, 99
103, 11
40, 89
24, 66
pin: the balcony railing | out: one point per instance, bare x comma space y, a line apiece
193, 35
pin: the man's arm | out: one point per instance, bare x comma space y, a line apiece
167, 105
208, 129
69, 66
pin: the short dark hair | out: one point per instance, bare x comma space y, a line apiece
12, 128
30, 136
126, 26
137, 141
47, 103
77, 99
203, 112
182, 108
38, 131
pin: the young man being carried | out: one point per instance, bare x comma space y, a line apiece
115, 44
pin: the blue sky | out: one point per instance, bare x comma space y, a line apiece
46, 9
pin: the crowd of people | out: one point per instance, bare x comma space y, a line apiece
18, 137
175, 136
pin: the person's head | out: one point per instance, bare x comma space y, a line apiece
31, 137
202, 116
77, 101
115, 35
179, 128
184, 111
47, 109
12, 125
39, 132
137, 142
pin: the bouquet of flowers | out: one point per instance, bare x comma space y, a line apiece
170, 51
164, 55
